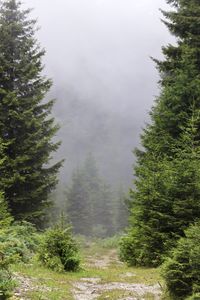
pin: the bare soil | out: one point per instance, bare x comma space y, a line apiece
92, 288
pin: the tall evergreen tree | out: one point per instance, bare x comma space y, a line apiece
25, 122
166, 198
78, 205
90, 201
104, 212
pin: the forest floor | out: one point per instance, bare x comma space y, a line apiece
102, 276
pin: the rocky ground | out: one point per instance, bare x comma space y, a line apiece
92, 288
124, 287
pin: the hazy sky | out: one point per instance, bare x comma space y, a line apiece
102, 48
99, 50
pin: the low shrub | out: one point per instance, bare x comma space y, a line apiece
6, 282
58, 249
139, 249
195, 296
136, 253
17, 243
110, 242
21, 240
182, 270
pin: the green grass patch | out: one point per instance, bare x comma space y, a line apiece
52, 285
116, 295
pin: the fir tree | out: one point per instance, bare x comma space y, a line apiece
78, 205
166, 198
90, 201
25, 122
181, 270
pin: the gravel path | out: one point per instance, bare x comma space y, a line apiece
90, 289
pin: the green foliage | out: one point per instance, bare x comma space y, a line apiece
90, 202
195, 296
110, 242
5, 217
182, 270
58, 249
79, 206
166, 195
20, 240
151, 231
26, 127
6, 282
122, 210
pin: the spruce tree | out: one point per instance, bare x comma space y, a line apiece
166, 198
181, 270
105, 211
100, 198
90, 202
78, 205
26, 125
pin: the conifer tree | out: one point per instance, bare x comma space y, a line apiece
78, 205
166, 198
25, 122
181, 270
90, 201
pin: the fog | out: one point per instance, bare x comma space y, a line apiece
98, 56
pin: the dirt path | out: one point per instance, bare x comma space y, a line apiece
27, 284
104, 261
92, 288
89, 289
107, 279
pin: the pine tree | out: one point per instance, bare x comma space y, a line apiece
101, 199
166, 198
90, 201
25, 122
103, 216
181, 270
78, 205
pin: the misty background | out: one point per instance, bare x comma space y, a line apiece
98, 56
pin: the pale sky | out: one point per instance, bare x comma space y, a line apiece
102, 48
99, 51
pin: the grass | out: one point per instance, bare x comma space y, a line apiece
119, 294
49, 285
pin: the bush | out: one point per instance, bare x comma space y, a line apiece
182, 270
139, 248
136, 251
58, 249
111, 242
6, 282
194, 297
17, 243
21, 240
128, 250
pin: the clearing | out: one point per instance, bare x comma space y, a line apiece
102, 276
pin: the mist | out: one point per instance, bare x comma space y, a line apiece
98, 56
